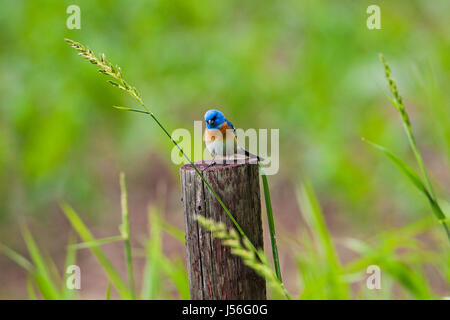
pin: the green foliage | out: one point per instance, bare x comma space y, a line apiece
425, 186
271, 223
157, 265
325, 283
305, 67
105, 263
41, 273
125, 232
402, 258
399, 253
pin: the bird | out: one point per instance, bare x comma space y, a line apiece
220, 137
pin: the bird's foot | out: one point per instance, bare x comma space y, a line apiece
212, 163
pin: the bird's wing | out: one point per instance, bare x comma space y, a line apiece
231, 126
238, 148
226, 126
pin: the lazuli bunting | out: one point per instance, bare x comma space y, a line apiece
220, 137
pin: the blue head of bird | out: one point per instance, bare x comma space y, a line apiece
214, 119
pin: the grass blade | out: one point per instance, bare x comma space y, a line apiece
153, 262
173, 231
176, 272
41, 274
399, 266
30, 288
314, 217
96, 243
414, 178
71, 254
273, 240
104, 262
397, 102
108, 291
125, 231
34, 275
17, 258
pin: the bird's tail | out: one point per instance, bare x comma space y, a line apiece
249, 154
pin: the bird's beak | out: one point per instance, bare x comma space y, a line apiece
209, 121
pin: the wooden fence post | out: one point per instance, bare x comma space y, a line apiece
214, 273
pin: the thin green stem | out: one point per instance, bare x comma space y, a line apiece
429, 187
271, 223
108, 291
412, 142
125, 231
397, 101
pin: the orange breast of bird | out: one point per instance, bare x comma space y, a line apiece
212, 135
224, 132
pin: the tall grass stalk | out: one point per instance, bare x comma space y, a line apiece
125, 232
108, 291
42, 273
30, 288
273, 239
151, 283
71, 254
425, 184
115, 72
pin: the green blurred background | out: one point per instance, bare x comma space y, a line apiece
308, 68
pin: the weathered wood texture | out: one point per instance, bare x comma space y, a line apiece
214, 273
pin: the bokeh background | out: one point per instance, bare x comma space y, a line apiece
308, 68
